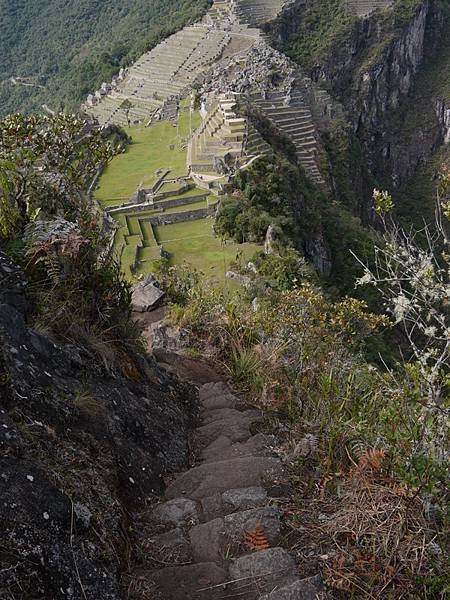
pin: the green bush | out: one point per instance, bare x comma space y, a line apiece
272, 191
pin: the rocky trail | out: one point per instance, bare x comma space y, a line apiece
218, 531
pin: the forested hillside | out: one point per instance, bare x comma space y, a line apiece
57, 51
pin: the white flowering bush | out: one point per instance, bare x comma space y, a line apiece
412, 273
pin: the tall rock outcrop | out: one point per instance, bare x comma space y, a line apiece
80, 449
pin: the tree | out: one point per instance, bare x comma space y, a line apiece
46, 165
127, 106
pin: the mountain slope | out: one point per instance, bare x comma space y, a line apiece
55, 51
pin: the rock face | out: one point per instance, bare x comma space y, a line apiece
79, 446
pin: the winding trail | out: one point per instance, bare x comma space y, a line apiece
202, 522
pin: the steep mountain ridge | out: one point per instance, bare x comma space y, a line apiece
52, 52
80, 446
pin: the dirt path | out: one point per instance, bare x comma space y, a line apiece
216, 513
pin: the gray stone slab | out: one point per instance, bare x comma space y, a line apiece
216, 449
146, 295
219, 414
209, 390
178, 511
244, 498
266, 563
217, 477
236, 524
224, 449
190, 582
206, 541
236, 429
219, 401
212, 508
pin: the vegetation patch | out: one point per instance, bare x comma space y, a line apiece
152, 148
195, 243
59, 52
325, 24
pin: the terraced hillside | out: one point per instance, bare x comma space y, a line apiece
294, 120
167, 72
257, 12
189, 155
222, 140
364, 7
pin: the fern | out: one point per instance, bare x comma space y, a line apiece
256, 539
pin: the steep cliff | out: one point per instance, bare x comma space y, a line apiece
80, 449
390, 70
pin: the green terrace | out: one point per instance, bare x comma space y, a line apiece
135, 242
162, 146
155, 163
195, 243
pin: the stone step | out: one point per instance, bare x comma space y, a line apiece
177, 512
236, 425
220, 401
219, 505
212, 389
219, 414
191, 582
216, 539
217, 477
223, 448
261, 572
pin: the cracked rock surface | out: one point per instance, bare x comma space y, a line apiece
79, 446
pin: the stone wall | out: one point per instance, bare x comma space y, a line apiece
179, 201
181, 217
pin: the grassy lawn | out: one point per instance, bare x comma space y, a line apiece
149, 151
193, 242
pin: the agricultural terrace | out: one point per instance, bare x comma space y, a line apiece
162, 148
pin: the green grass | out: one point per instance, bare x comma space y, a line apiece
193, 242
149, 151
127, 260
134, 239
148, 253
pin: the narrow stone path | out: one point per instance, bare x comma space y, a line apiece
201, 523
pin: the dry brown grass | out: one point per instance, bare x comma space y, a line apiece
384, 541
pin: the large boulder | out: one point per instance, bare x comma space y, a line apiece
146, 295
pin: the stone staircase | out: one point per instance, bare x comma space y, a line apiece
292, 117
363, 8
200, 525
